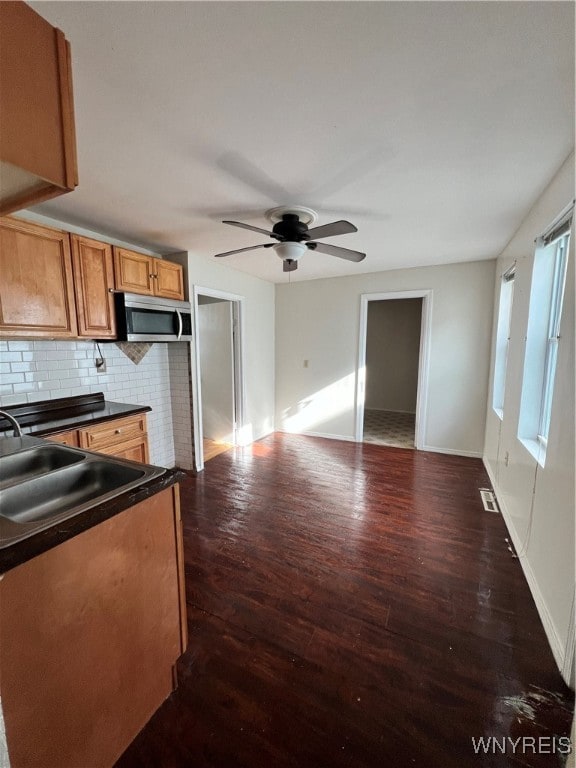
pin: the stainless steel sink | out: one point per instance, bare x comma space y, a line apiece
43, 484
24, 465
58, 493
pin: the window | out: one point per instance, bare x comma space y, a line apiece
542, 339
503, 339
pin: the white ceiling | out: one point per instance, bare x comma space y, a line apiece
431, 126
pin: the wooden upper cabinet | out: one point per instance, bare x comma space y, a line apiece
168, 279
37, 140
93, 285
36, 287
137, 273
133, 272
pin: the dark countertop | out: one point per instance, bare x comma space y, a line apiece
20, 551
49, 416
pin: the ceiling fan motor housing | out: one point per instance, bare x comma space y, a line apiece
291, 228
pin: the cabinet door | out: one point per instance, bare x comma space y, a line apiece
133, 272
36, 290
37, 140
89, 635
168, 279
66, 438
93, 285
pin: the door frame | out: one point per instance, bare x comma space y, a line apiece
238, 366
423, 359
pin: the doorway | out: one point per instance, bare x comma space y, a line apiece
217, 373
393, 368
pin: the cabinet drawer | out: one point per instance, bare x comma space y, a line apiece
66, 438
110, 433
133, 450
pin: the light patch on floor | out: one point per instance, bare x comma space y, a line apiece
527, 704
212, 449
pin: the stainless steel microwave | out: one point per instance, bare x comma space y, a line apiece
150, 318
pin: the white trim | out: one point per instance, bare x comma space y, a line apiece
490, 475
570, 650
391, 410
240, 385
452, 451
554, 641
348, 438
261, 436
216, 294
423, 361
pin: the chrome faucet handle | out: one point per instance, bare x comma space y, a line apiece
12, 420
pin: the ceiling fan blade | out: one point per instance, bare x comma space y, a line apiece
329, 230
336, 250
253, 229
240, 250
289, 265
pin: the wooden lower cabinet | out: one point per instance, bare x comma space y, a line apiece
125, 438
133, 450
66, 438
90, 632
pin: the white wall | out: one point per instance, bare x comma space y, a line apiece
392, 354
538, 502
258, 332
318, 321
46, 370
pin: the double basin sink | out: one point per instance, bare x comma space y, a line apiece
42, 484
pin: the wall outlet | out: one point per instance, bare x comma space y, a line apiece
100, 364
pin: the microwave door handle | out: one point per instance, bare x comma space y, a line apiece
179, 324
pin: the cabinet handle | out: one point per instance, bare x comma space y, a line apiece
118, 431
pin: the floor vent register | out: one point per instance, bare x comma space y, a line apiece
488, 500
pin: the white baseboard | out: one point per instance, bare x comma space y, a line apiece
558, 650
388, 410
263, 435
556, 645
490, 473
452, 451
348, 438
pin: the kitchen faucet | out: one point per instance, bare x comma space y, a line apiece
12, 420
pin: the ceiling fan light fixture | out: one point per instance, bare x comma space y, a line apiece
289, 250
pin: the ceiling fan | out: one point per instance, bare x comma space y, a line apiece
294, 237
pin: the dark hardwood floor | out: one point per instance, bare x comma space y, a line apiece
352, 605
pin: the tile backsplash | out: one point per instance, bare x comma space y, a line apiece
44, 370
